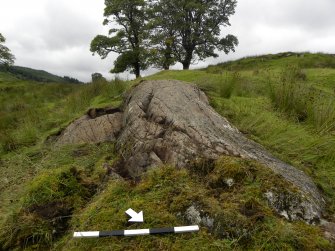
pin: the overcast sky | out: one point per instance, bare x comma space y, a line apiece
54, 35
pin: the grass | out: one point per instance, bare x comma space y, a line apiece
285, 102
29, 111
304, 60
50, 196
35, 75
57, 182
294, 96
165, 194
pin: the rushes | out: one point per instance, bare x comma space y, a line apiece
293, 96
289, 95
229, 83
224, 84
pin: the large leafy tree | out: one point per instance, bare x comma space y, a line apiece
6, 57
193, 28
162, 34
128, 39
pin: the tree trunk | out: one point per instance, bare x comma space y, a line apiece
166, 64
167, 57
186, 65
187, 62
137, 70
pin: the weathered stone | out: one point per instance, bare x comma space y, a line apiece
230, 182
171, 122
92, 130
196, 216
293, 206
329, 230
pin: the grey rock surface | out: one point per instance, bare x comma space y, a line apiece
92, 130
292, 206
329, 230
171, 122
195, 216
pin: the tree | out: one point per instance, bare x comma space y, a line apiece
162, 33
71, 80
161, 53
6, 58
128, 39
97, 77
194, 27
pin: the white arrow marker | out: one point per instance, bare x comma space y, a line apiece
135, 217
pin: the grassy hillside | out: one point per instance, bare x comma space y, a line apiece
273, 61
285, 102
26, 73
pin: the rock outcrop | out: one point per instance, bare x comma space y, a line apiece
92, 129
170, 122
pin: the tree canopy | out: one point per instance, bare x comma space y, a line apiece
193, 27
128, 39
163, 32
97, 77
6, 57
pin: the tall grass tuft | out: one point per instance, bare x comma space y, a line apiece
294, 97
290, 95
223, 84
228, 84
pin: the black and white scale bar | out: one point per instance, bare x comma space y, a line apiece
135, 232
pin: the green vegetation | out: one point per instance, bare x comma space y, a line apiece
285, 102
25, 73
61, 181
165, 194
6, 57
129, 39
272, 61
161, 32
187, 30
288, 109
31, 113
